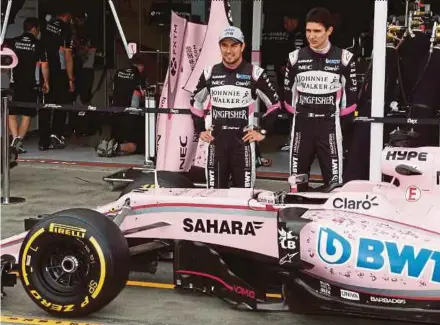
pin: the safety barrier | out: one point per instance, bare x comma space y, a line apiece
150, 126
398, 120
6, 191
186, 111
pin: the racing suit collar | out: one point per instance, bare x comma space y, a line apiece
236, 68
325, 50
315, 54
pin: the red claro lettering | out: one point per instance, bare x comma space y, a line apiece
244, 292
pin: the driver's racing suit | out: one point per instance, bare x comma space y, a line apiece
319, 88
233, 93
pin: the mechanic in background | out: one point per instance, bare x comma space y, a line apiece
84, 123
127, 130
31, 55
233, 86
57, 39
294, 40
320, 88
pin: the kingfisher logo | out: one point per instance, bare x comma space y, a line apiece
374, 255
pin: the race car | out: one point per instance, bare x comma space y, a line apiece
360, 248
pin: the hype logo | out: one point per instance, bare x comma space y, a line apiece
332, 247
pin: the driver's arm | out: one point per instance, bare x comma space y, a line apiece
290, 93
198, 99
349, 84
268, 95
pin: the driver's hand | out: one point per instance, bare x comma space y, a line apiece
71, 86
252, 136
206, 136
46, 88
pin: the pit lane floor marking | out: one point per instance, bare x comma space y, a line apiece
38, 321
157, 285
172, 286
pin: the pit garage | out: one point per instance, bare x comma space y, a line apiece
74, 178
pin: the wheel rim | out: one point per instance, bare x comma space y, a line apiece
65, 267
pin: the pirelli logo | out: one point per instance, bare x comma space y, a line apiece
67, 230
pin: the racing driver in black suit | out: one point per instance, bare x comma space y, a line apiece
320, 88
233, 86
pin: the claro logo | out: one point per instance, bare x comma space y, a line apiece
348, 204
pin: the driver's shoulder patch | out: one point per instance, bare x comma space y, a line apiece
207, 71
293, 57
346, 57
256, 72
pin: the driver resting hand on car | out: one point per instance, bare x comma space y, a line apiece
233, 86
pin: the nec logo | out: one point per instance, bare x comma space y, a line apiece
305, 67
407, 155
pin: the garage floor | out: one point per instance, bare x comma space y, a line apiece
81, 151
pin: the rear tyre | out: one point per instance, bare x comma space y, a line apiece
74, 262
165, 179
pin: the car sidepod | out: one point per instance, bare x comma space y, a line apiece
290, 225
353, 264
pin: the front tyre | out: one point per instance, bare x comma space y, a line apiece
74, 262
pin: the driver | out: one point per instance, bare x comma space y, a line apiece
233, 86
320, 87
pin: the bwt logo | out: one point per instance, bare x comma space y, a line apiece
332, 247
328, 61
376, 255
243, 76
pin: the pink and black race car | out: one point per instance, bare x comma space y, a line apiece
363, 248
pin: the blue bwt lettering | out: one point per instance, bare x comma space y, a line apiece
408, 257
374, 255
370, 254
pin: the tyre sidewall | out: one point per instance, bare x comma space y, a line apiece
104, 282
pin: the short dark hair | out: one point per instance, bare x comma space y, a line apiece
137, 58
321, 16
30, 23
62, 8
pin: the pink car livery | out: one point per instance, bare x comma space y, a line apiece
364, 248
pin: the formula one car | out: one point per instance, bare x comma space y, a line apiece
362, 248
